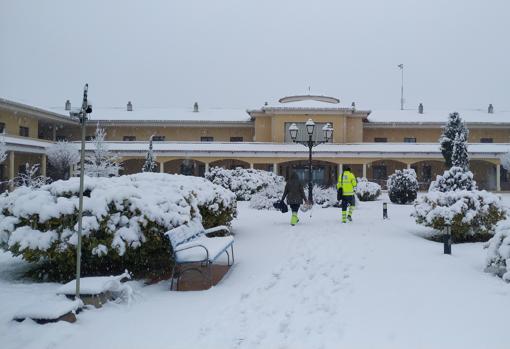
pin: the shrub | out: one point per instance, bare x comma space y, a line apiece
472, 215
367, 191
456, 178
323, 196
242, 182
124, 224
264, 199
498, 252
403, 186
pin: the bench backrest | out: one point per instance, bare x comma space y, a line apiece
185, 233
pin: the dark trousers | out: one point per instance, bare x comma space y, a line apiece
348, 201
294, 207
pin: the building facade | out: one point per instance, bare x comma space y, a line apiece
189, 141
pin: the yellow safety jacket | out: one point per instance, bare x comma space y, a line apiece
347, 182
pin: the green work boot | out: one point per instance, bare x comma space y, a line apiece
294, 219
344, 216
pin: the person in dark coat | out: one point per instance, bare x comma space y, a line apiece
295, 194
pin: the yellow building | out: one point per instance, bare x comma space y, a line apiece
190, 140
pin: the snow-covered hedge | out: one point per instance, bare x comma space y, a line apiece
242, 182
472, 215
498, 252
264, 199
403, 186
456, 178
124, 224
367, 191
323, 196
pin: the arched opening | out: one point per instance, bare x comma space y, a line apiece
427, 171
132, 166
230, 164
379, 171
323, 173
188, 167
484, 174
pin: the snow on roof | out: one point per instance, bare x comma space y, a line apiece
438, 116
263, 149
307, 102
164, 114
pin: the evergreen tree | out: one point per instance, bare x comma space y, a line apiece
102, 162
460, 157
150, 160
454, 126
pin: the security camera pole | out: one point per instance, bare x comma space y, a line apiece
401, 66
86, 108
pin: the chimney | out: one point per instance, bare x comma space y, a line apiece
265, 103
68, 105
195, 107
420, 108
490, 110
353, 105
129, 106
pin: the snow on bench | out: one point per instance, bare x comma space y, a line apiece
97, 290
191, 245
52, 309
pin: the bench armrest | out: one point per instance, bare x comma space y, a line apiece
218, 228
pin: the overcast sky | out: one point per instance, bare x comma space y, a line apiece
233, 53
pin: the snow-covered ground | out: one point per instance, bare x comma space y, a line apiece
320, 284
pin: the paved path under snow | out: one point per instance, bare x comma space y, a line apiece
321, 284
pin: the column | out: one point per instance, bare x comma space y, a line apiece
43, 165
364, 170
206, 167
161, 167
340, 169
251, 165
408, 166
498, 177
11, 170
275, 168
54, 136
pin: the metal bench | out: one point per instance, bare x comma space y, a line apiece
200, 249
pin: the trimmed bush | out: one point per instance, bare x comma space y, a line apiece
498, 252
264, 199
472, 215
124, 224
403, 186
242, 182
367, 191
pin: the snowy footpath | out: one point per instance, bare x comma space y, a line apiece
320, 284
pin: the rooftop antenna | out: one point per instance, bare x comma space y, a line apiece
401, 66
309, 89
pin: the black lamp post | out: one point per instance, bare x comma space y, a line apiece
310, 143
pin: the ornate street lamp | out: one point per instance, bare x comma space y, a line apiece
310, 143
81, 115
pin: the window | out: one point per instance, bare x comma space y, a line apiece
158, 138
409, 139
380, 139
207, 139
486, 140
23, 131
129, 138
2, 127
236, 139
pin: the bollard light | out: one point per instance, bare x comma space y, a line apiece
447, 240
385, 210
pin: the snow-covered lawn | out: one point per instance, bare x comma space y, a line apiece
321, 284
